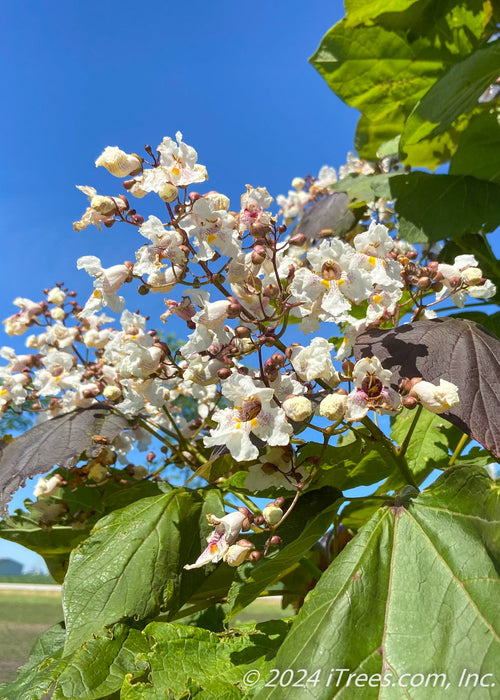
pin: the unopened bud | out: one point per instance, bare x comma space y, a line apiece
257, 256
169, 192
424, 283
112, 393
333, 407
224, 373
254, 556
143, 290
259, 520
272, 514
297, 408
275, 540
242, 332
409, 402
347, 367
282, 228
299, 239
455, 281
193, 196
271, 291
150, 457
137, 219
233, 310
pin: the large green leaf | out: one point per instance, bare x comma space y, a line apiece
477, 145
131, 566
375, 70
433, 207
455, 93
413, 593
191, 662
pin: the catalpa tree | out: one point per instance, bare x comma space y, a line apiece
342, 336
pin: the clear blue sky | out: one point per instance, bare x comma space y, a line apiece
77, 77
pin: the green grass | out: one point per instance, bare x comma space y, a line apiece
27, 578
24, 615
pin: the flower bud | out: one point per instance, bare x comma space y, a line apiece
248, 518
333, 407
103, 205
275, 540
137, 219
298, 183
119, 163
169, 192
111, 392
224, 373
297, 408
242, 332
409, 402
272, 514
238, 552
299, 239
424, 283
254, 556
56, 296
472, 275
271, 291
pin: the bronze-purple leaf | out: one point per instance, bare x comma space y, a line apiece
58, 442
460, 351
327, 217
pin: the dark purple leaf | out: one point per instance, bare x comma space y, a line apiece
460, 351
59, 441
326, 217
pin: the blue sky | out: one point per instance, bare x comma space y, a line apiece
78, 76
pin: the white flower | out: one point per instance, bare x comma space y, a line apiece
254, 413
315, 362
372, 390
46, 487
108, 281
437, 399
118, 162
225, 534
177, 166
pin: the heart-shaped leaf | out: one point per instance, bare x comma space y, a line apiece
459, 351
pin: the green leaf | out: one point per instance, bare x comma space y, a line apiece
191, 662
371, 135
314, 514
99, 667
427, 605
476, 146
367, 11
455, 93
364, 188
131, 566
358, 461
434, 207
375, 70
432, 441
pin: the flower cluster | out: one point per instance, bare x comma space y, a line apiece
241, 283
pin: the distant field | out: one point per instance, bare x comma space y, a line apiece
24, 615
